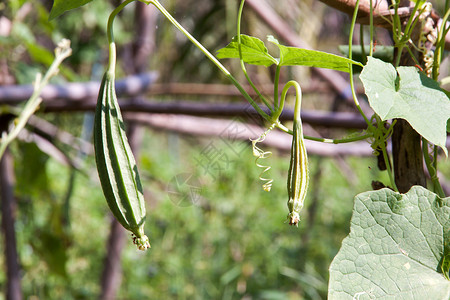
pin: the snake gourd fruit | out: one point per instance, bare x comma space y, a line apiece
298, 177
116, 165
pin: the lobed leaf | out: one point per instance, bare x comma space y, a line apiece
395, 249
253, 51
408, 94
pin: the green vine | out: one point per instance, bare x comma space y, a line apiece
377, 132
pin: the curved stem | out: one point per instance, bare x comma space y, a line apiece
298, 99
110, 34
325, 140
286, 87
389, 169
382, 146
239, 18
350, 43
208, 55
277, 113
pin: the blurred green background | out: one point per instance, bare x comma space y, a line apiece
228, 240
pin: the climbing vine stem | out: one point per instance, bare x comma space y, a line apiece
208, 55
431, 166
352, 85
110, 35
239, 18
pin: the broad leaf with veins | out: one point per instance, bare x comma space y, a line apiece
408, 94
398, 248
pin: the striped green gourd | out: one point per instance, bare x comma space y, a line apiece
116, 165
298, 177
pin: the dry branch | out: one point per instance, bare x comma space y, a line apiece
130, 86
137, 85
236, 130
319, 118
13, 279
82, 97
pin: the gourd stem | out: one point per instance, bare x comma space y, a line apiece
208, 55
350, 44
239, 18
382, 146
110, 34
298, 98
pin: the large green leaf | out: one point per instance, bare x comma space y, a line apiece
292, 56
395, 248
61, 6
253, 51
408, 94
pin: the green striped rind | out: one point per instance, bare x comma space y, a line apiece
116, 165
298, 178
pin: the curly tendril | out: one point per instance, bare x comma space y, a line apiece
261, 154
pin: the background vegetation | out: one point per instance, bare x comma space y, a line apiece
232, 242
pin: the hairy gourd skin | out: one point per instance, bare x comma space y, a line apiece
297, 183
116, 164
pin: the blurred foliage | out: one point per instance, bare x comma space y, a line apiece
29, 47
232, 243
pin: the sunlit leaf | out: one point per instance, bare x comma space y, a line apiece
394, 249
253, 51
292, 56
408, 94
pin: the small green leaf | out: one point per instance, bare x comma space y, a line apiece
417, 98
394, 249
61, 6
253, 51
292, 56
